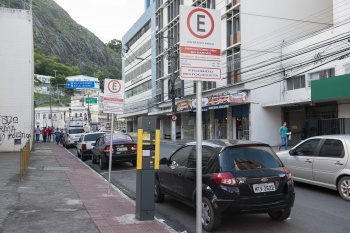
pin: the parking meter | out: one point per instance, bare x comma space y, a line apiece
148, 146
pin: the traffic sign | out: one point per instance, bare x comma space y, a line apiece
91, 100
200, 48
173, 117
113, 100
80, 84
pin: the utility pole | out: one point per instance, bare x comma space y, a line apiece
172, 80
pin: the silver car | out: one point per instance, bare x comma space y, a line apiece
322, 161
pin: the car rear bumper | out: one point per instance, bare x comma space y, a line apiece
230, 207
121, 157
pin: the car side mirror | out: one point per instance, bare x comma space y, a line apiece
292, 152
163, 161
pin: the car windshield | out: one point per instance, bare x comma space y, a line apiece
75, 131
91, 137
118, 138
248, 157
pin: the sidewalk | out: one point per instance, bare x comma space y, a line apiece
62, 194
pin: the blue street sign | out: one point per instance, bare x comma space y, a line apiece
80, 84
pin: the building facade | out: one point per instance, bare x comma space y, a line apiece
17, 82
271, 53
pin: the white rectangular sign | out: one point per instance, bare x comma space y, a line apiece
200, 44
113, 100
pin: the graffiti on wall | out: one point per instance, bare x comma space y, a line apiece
8, 129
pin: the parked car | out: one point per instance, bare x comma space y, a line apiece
84, 144
71, 136
123, 149
322, 161
238, 177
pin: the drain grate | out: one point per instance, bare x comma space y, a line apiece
52, 168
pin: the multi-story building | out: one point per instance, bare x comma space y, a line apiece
267, 47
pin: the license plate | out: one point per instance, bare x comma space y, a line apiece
122, 148
264, 187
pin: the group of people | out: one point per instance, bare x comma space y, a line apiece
48, 133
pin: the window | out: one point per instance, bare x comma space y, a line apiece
296, 82
308, 148
180, 157
75, 131
332, 148
206, 155
247, 158
320, 75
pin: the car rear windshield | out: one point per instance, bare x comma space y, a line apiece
248, 157
91, 137
118, 138
75, 131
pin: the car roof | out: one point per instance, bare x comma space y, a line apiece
94, 133
220, 143
339, 136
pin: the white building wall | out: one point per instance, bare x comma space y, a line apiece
265, 27
17, 79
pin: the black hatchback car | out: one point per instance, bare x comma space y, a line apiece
123, 149
238, 177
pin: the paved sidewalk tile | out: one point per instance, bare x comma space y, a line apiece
111, 213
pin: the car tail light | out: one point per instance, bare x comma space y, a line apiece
134, 147
83, 146
225, 178
67, 135
107, 149
288, 174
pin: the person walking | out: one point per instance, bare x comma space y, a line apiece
37, 133
57, 136
283, 133
49, 132
44, 133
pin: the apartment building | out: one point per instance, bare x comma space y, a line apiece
261, 42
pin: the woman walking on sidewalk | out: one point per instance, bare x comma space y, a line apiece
49, 132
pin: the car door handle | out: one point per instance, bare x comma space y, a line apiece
179, 174
338, 163
308, 161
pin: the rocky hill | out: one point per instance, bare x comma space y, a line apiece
56, 33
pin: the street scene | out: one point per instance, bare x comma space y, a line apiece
175, 116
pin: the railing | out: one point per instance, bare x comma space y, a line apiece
24, 157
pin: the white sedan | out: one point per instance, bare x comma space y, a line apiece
322, 161
84, 144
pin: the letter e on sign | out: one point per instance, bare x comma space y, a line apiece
200, 23
114, 86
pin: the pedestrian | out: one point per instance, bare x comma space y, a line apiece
37, 133
283, 133
124, 130
57, 136
44, 133
49, 132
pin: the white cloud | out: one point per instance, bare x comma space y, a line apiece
107, 19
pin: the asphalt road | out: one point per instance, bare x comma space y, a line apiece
316, 209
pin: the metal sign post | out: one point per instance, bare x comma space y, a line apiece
110, 157
199, 158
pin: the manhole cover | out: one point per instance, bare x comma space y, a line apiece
51, 168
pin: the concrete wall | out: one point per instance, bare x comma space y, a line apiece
17, 79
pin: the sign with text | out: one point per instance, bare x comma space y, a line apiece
113, 100
80, 84
91, 100
200, 47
